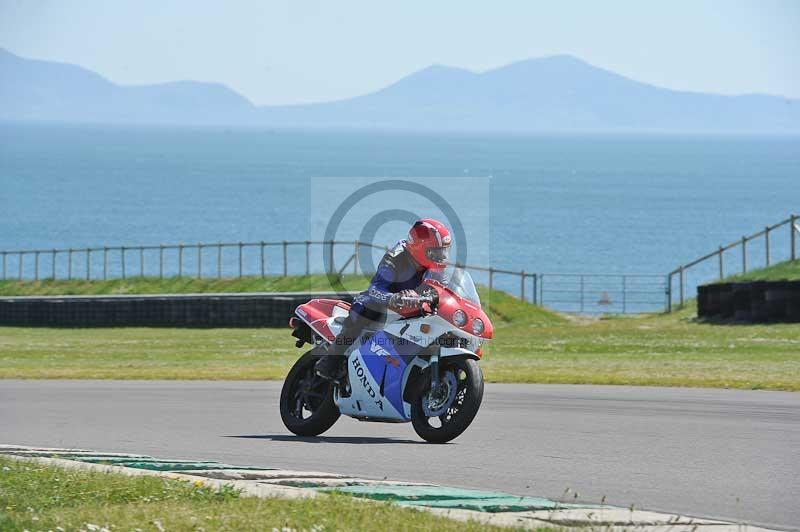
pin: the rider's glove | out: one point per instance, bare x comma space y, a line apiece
405, 300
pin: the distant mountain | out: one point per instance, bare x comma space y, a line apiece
558, 93
49, 91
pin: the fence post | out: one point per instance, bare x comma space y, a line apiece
541, 289
241, 246
36, 266
535, 288
491, 279
122, 251
624, 293
161, 261
88, 264
219, 260
285, 259
4, 265
766, 244
355, 257
581, 293
721, 263
330, 256
263, 268
681, 285
669, 293
308, 257
793, 245
53, 264
199, 260
522, 285
69, 264
105, 263
744, 254
141, 261
180, 260
21, 255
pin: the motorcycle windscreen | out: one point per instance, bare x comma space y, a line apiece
387, 358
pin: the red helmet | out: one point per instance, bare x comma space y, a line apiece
429, 243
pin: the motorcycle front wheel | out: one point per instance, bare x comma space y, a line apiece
440, 415
307, 406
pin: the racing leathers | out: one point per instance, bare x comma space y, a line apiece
397, 273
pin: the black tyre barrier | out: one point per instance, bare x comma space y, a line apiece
194, 310
750, 302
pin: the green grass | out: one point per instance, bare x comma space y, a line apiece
783, 271
176, 285
38, 497
657, 350
531, 345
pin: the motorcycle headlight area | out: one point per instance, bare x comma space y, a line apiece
460, 318
477, 326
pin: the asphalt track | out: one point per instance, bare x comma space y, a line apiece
715, 453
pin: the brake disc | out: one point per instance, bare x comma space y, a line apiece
438, 400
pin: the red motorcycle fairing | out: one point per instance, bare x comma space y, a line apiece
317, 312
449, 303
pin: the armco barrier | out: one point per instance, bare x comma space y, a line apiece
750, 302
179, 310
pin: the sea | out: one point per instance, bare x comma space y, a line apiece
555, 204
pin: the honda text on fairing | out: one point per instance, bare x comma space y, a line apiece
420, 366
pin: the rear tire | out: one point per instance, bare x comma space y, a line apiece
462, 409
307, 406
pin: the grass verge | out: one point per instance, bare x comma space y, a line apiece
176, 285
39, 497
783, 271
531, 345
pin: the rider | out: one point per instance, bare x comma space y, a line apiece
399, 273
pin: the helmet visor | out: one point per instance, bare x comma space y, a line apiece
438, 255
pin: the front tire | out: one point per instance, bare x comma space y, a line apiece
307, 406
459, 411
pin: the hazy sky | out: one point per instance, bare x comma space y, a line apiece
310, 50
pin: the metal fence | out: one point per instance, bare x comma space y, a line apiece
580, 293
583, 293
766, 236
603, 294
201, 260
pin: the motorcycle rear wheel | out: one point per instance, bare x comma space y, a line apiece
462, 408
306, 404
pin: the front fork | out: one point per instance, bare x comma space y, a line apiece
435, 370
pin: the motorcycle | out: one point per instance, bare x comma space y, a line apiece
420, 367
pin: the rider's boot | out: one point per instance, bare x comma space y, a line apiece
329, 366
